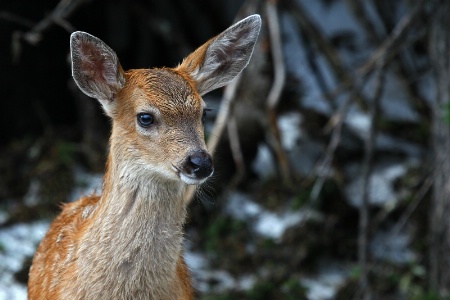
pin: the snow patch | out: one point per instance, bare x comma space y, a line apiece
359, 123
31, 198
266, 223
392, 246
381, 186
327, 282
208, 280
195, 261
86, 184
223, 281
16, 244
274, 225
263, 164
296, 60
4, 216
290, 128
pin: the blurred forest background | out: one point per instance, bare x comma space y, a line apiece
331, 149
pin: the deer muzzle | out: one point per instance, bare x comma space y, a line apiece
196, 167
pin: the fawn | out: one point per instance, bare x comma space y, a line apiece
127, 242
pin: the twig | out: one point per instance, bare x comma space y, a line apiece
336, 122
58, 16
439, 227
311, 59
316, 36
5, 15
363, 234
383, 52
277, 87
390, 46
277, 54
394, 47
418, 197
236, 151
401, 223
360, 13
64, 9
225, 109
402, 55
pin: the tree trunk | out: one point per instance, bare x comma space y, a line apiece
440, 207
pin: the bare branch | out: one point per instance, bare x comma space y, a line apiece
439, 231
226, 105
316, 36
392, 44
236, 151
277, 55
383, 53
277, 87
363, 232
360, 13
335, 124
63, 10
418, 197
5, 15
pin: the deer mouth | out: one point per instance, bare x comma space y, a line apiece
188, 178
195, 168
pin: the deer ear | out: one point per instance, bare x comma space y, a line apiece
96, 69
223, 57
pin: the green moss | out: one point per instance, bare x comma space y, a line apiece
267, 244
261, 290
218, 230
65, 152
219, 297
301, 199
293, 290
419, 294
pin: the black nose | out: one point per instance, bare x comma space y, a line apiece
198, 165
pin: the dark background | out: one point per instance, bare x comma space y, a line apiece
356, 144
34, 77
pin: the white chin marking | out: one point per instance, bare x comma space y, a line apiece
189, 180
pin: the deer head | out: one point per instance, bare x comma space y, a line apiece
157, 114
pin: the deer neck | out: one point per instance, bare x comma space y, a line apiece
136, 231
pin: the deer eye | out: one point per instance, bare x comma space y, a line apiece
145, 119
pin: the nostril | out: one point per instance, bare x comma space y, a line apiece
198, 161
199, 164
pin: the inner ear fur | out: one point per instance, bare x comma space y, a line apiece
222, 58
96, 69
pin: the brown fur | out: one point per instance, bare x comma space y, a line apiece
127, 242
56, 266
